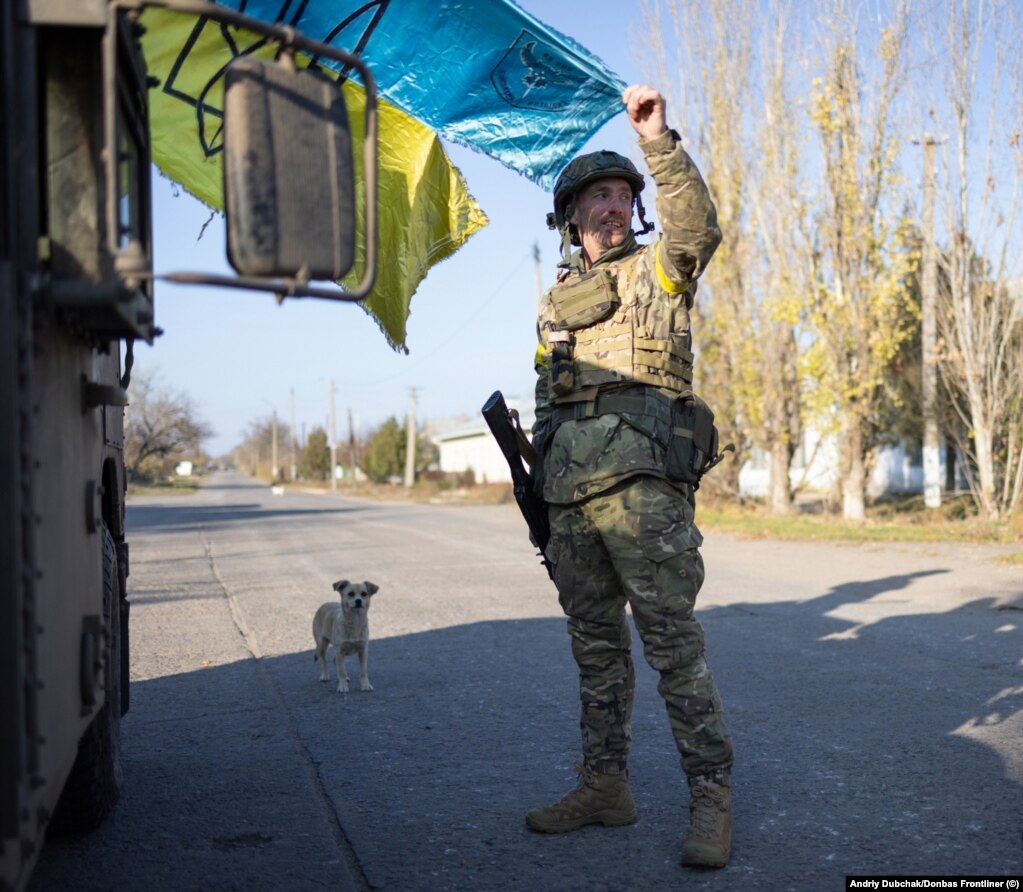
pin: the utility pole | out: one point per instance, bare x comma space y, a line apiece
536, 270
275, 469
353, 444
333, 442
294, 467
928, 301
410, 440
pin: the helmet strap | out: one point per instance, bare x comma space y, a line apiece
566, 241
644, 227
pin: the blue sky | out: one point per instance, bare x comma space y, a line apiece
239, 355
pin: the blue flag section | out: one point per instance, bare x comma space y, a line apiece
483, 73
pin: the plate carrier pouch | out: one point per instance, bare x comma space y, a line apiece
589, 299
693, 446
592, 296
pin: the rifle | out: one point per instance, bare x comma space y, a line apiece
504, 425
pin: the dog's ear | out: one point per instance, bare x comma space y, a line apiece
340, 584
371, 588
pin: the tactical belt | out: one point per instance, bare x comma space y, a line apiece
648, 409
681, 423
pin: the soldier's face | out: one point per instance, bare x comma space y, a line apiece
602, 215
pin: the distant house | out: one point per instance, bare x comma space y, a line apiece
472, 447
897, 470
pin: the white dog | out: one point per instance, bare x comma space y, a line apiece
346, 627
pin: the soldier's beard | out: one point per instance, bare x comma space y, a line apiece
596, 242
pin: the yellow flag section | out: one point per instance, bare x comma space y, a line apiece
425, 210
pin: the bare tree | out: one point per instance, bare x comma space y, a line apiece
782, 260
838, 298
255, 453
719, 69
162, 427
980, 354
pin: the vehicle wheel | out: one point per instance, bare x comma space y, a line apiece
94, 785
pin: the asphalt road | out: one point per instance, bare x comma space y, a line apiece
875, 694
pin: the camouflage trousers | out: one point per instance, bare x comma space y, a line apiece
637, 543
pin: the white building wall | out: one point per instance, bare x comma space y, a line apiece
894, 471
477, 452
813, 466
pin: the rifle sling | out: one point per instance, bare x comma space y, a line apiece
526, 449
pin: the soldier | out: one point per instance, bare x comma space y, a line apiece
614, 367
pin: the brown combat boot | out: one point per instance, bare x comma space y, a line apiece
710, 823
597, 799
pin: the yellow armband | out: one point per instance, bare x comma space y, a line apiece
663, 279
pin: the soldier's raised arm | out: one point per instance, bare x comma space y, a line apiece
685, 211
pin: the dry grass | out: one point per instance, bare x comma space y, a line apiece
901, 519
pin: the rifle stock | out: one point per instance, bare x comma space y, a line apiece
533, 508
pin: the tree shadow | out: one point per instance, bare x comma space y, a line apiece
887, 745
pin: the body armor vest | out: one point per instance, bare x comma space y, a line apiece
613, 326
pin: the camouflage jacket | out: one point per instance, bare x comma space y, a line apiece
609, 367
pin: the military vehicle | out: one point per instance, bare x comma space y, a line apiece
76, 292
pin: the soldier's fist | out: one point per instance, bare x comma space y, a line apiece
645, 107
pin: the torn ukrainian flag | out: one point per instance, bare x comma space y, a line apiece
480, 72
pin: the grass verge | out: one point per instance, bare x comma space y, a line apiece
900, 519
184, 486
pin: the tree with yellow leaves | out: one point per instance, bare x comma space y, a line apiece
862, 300
739, 115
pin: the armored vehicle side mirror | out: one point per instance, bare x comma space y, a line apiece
289, 177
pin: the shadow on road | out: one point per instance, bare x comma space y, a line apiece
146, 518
852, 592
895, 750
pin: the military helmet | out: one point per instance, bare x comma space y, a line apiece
585, 169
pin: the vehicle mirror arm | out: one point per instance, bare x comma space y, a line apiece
283, 288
